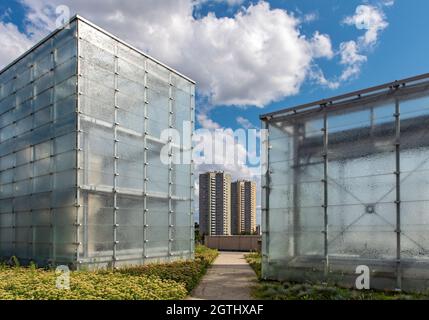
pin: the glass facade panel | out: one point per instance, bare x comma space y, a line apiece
34, 172
347, 185
81, 177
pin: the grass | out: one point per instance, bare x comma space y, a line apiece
286, 290
272, 290
254, 260
149, 282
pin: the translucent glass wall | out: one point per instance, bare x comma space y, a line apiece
82, 181
347, 185
37, 152
134, 207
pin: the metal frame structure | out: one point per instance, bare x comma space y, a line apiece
347, 98
94, 80
403, 134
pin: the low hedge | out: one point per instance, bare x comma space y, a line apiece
148, 282
35, 284
188, 273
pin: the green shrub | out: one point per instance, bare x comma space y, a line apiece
184, 272
205, 255
31, 284
254, 260
148, 282
188, 272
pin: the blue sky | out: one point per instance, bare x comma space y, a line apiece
402, 51
249, 57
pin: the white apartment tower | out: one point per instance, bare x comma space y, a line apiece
243, 207
215, 203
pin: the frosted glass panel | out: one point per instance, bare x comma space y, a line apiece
125, 104
80, 171
348, 185
33, 185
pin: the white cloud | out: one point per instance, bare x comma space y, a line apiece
232, 155
369, 18
245, 123
352, 53
317, 75
206, 122
349, 53
256, 56
321, 45
40, 17
388, 3
231, 150
310, 17
231, 3
13, 43
351, 58
228, 154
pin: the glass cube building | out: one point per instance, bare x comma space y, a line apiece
347, 184
83, 120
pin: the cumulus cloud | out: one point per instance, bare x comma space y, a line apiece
235, 150
316, 74
245, 123
321, 46
371, 19
13, 42
351, 58
206, 122
229, 150
257, 56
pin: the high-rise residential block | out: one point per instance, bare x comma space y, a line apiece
215, 203
243, 207
82, 125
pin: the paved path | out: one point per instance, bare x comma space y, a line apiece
229, 278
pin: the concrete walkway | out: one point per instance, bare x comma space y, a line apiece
229, 278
